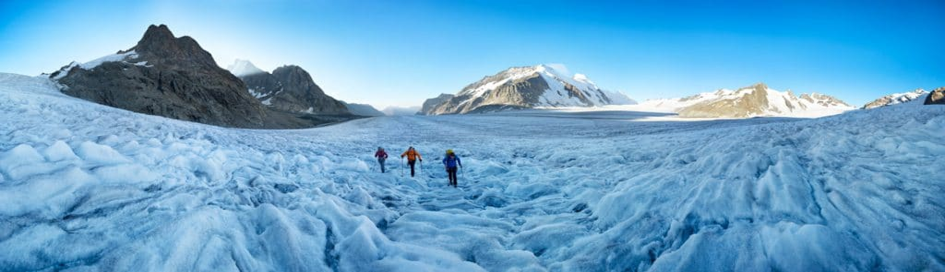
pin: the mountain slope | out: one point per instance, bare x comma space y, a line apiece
894, 99
290, 88
362, 109
171, 77
430, 104
525, 87
753, 101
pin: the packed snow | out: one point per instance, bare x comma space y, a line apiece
85, 187
117, 57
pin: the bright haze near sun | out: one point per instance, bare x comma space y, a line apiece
398, 53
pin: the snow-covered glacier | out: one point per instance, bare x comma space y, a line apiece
85, 187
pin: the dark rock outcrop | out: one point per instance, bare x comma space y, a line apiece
173, 77
290, 88
936, 97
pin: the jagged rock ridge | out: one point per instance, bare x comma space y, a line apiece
171, 77
290, 88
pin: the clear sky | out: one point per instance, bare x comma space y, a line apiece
388, 52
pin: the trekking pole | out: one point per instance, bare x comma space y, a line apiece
401, 166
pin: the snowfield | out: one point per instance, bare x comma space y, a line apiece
85, 187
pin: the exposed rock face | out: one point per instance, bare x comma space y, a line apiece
758, 100
894, 99
290, 88
431, 103
171, 77
752, 103
523, 87
937, 97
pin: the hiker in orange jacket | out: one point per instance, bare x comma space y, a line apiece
412, 157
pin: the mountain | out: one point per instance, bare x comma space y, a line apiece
394, 110
241, 68
937, 96
362, 109
752, 101
290, 88
431, 103
894, 99
171, 77
526, 87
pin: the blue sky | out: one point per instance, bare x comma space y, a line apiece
402, 52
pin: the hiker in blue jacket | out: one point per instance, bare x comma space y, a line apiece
450, 162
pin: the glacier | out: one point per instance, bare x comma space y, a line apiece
85, 187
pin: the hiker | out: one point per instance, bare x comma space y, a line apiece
450, 162
412, 157
381, 156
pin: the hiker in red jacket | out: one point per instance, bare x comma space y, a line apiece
381, 156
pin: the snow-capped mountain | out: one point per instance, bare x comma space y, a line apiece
895, 98
528, 87
241, 67
753, 101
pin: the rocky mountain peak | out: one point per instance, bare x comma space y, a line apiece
292, 75
159, 45
290, 88
156, 34
242, 67
175, 78
760, 86
937, 96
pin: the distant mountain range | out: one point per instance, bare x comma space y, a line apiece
896, 98
752, 101
291, 88
363, 109
524, 87
394, 110
174, 77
